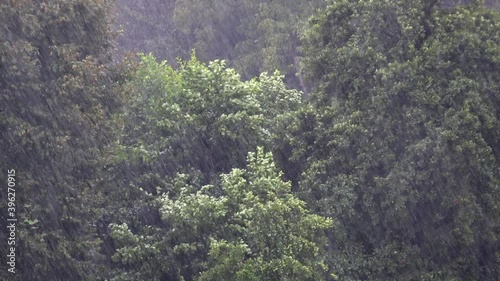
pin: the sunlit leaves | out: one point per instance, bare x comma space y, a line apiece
246, 227
202, 115
271, 230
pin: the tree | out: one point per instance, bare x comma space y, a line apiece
57, 91
202, 117
401, 143
248, 227
199, 120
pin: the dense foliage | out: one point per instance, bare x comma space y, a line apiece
385, 167
57, 93
247, 227
406, 130
201, 121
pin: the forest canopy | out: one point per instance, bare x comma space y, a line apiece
250, 140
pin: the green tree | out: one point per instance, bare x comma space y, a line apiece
202, 117
198, 120
402, 138
57, 91
247, 227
